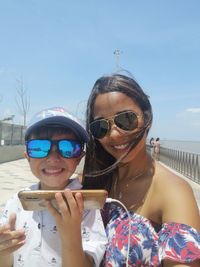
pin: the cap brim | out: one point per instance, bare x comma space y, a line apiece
60, 121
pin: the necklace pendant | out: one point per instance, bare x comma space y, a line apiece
120, 195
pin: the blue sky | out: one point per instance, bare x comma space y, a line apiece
60, 47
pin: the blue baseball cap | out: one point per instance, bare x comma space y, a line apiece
57, 116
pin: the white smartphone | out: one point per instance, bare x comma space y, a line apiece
35, 199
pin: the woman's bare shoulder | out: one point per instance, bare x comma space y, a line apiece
177, 199
165, 177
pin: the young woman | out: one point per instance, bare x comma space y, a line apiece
163, 223
152, 142
157, 148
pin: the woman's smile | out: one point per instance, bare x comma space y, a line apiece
122, 146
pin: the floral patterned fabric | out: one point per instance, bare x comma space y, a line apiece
149, 246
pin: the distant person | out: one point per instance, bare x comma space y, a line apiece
157, 148
164, 218
54, 147
152, 142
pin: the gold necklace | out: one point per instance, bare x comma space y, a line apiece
130, 179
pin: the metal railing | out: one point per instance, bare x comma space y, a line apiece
186, 163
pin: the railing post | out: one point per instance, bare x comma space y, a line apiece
186, 163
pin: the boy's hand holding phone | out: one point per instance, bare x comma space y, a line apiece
35, 200
68, 216
10, 239
68, 219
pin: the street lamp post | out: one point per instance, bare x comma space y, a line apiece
117, 54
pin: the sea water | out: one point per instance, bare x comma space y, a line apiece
187, 146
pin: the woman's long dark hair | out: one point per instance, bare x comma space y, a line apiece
99, 165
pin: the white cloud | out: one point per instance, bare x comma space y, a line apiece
7, 71
189, 119
196, 124
2, 70
193, 110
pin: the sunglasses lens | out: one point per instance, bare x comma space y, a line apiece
99, 128
69, 148
38, 148
127, 121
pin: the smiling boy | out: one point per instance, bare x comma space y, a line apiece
69, 236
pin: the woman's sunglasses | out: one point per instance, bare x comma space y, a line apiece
126, 121
40, 148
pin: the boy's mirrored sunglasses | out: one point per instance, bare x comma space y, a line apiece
40, 148
126, 121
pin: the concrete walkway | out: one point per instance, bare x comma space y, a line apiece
16, 175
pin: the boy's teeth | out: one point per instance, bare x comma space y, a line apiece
121, 146
53, 171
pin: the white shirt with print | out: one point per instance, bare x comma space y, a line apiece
42, 247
